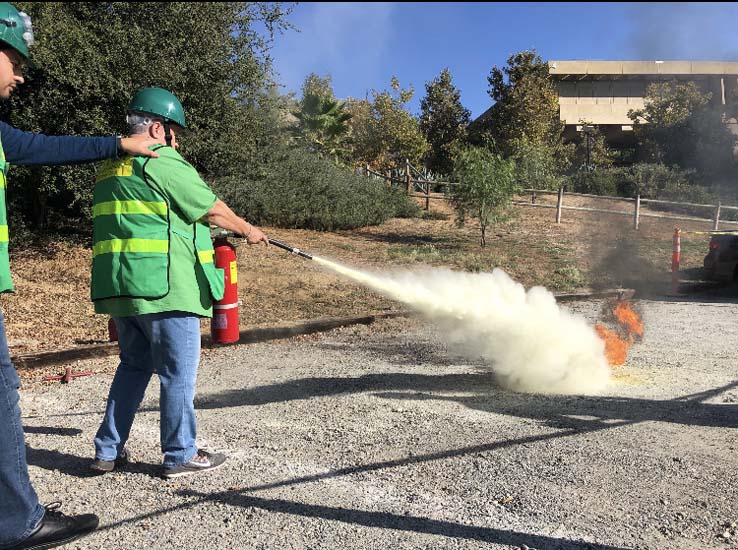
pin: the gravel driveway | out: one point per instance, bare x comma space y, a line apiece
376, 437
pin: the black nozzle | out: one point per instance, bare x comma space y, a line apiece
289, 248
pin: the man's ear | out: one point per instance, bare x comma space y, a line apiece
153, 130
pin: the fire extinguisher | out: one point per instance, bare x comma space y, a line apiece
224, 326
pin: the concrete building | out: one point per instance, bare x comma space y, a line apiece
602, 92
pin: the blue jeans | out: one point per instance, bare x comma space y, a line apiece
168, 344
20, 510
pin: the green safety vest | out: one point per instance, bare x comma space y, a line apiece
6, 282
131, 230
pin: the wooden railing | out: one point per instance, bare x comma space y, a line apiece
420, 187
637, 214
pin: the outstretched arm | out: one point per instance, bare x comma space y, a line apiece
26, 148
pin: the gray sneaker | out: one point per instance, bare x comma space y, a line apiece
201, 462
105, 466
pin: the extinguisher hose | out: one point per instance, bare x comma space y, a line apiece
289, 248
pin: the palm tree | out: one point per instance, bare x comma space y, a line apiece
323, 125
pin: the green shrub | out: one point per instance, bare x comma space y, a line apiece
567, 277
652, 181
597, 182
657, 181
301, 190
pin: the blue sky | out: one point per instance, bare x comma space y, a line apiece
361, 45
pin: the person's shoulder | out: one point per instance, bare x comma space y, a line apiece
166, 151
167, 155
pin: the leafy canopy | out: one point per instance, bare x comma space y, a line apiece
486, 186
443, 121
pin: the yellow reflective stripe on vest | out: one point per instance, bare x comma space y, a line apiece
115, 168
205, 256
2, 180
129, 207
130, 245
3, 233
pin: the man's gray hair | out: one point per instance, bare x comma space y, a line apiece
139, 122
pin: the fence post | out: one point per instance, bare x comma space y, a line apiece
559, 204
717, 217
637, 215
408, 183
676, 253
389, 178
367, 171
533, 198
427, 196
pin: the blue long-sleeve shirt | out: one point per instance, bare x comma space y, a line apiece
27, 148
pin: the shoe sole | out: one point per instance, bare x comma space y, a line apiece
117, 464
56, 543
101, 470
192, 472
104, 470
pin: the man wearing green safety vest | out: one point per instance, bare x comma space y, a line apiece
153, 272
24, 523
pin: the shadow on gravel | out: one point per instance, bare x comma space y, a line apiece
592, 413
386, 520
382, 520
305, 388
55, 460
555, 410
80, 466
558, 411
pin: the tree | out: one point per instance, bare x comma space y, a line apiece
526, 104
91, 58
679, 126
443, 121
322, 119
485, 189
318, 86
384, 133
662, 126
536, 166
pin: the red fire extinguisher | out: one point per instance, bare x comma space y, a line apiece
224, 326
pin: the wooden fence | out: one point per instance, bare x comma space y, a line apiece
636, 213
420, 187
417, 186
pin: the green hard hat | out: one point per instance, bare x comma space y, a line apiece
15, 29
159, 102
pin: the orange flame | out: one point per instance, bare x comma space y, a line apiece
629, 319
616, 349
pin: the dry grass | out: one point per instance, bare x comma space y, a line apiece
51, 307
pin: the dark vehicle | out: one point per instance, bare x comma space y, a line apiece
721, 262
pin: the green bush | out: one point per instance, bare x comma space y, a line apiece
652, 181
658, 181
300, 190
597, 182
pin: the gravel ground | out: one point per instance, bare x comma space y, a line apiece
376, 437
